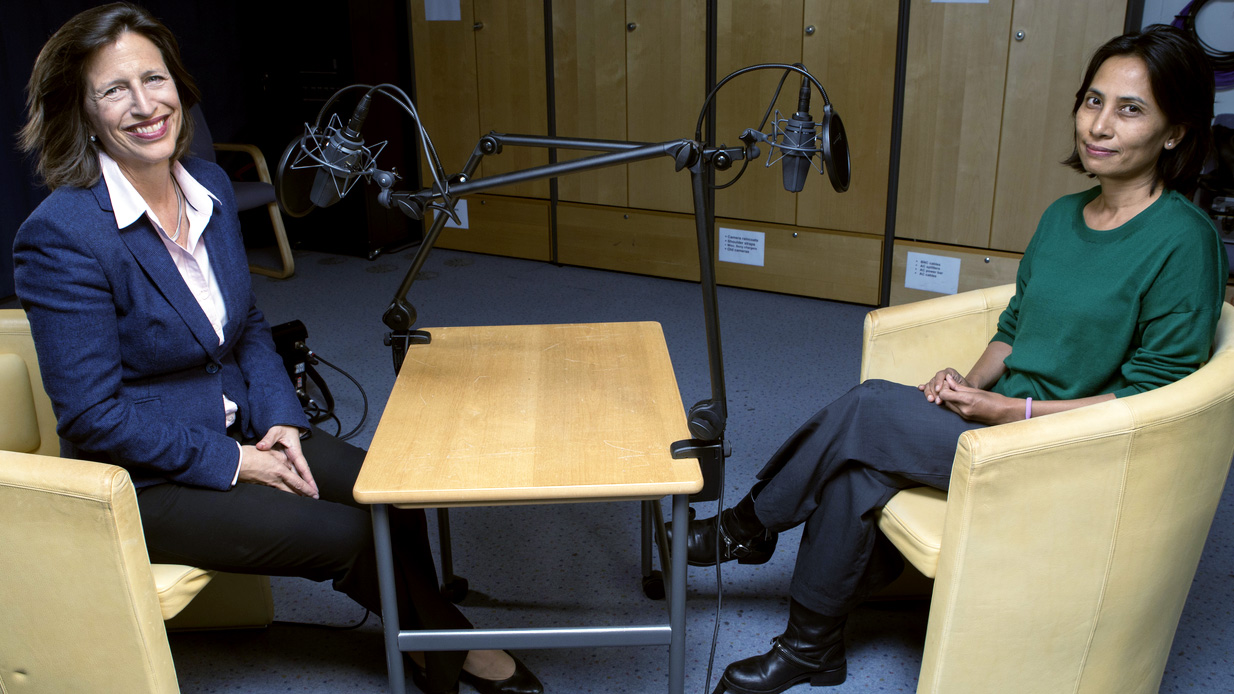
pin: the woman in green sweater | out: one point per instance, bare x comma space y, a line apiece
1118, 293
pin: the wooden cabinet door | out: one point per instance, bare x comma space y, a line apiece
750, 32
852, 52
589, 73
447, 96
511, 72
1044, 70
953, 109
666, 59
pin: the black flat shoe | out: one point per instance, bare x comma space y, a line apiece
521, 682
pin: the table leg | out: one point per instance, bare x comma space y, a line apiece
677, 604
645, 530
389, 602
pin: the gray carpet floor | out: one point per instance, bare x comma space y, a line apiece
785, 357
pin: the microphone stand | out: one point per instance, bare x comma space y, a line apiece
707, 418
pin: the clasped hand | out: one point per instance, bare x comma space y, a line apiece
277, 461
951, 390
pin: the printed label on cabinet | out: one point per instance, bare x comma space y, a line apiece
932, 273
741, 246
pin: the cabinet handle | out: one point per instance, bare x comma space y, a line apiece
631, 26
477, 26
1019, 36
810, 30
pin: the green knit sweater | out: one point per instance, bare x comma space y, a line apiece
1120, 311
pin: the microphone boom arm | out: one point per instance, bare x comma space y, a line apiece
707, 418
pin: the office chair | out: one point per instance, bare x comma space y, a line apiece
249, 194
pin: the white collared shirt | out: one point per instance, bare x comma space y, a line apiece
192, 262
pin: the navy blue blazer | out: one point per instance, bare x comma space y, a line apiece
135, 371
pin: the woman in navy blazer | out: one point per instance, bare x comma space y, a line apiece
134, 277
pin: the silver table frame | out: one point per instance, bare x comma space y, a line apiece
673, 634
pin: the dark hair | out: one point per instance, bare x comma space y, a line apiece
57, 129
1183, 87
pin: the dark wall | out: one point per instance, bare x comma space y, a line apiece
264, 68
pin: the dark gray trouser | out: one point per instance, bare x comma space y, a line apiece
256, 529
837, 470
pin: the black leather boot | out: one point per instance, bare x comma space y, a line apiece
811, 648
742, 537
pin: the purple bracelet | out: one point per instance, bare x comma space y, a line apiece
1028, 408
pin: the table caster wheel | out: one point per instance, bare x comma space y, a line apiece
653, 586
455, 590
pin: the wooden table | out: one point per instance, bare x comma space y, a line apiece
487, 416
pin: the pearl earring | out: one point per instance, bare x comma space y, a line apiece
94, 138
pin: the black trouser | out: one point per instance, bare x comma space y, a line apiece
258, 529
837, 470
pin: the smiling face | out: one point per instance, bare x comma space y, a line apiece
1120, 130
132, 103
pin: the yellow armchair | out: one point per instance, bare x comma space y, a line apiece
82, 609
1064, 549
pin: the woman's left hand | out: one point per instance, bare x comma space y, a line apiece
978, 405
287, 439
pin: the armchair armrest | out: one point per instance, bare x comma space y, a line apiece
79, 610
259, 159
910, 343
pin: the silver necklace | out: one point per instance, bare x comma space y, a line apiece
179, 208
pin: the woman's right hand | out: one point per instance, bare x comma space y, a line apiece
274, 469
932, 387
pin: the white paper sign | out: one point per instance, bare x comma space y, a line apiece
460, 208
442, 11
741, 246
932, 273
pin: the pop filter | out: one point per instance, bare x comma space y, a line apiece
292, 184
835, 150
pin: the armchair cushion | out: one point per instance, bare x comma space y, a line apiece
177, 585
913, 521
252, 194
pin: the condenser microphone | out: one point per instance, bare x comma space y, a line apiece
343, 151
799, 134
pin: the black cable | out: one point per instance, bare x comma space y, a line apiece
398, 96
715, 632
1221, 61
329, 627
763, 123
315, 378
363, 396
795, 67
722, 186
317, 414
